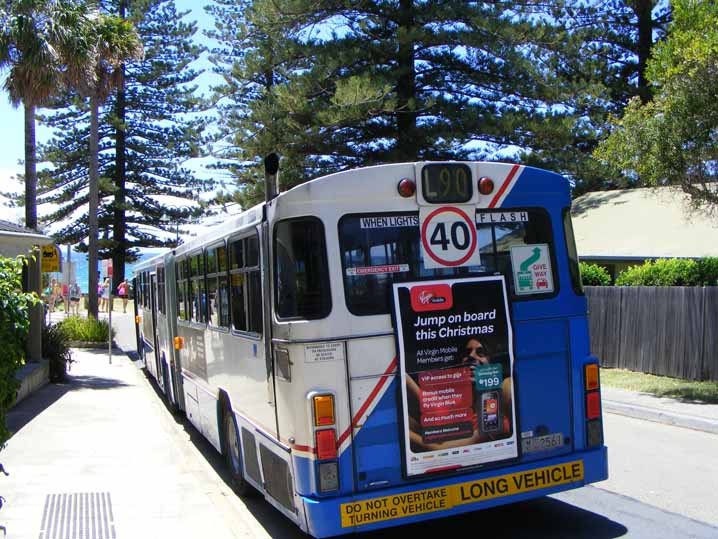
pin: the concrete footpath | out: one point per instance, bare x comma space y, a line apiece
102, 457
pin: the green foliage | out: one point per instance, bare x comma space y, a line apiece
671, 139
14, 326
662, 272
708, 271
594, 275
336, 85
56, 349
77, 328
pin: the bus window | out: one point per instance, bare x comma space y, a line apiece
161, 290
378, 249
212, 286
223, 287
302, 275
217, 293
573, 266
196, 297
245, 284
181, 289
532, 226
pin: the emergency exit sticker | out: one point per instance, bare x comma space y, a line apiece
532, 269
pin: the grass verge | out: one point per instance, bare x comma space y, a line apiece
662, 386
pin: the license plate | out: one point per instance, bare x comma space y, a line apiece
542, 443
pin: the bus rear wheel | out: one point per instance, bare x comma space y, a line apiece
233, 454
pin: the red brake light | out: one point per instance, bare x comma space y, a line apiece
593, 405
406, 187
326, 444
486, 186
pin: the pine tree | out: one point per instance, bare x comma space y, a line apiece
360, 83
147, 130
601, 59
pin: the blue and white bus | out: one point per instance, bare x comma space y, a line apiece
385, 345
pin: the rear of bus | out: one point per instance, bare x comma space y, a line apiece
367, 297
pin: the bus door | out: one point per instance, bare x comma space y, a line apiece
155, 339
267, 315
135, 303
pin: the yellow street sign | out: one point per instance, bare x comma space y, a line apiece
50, 259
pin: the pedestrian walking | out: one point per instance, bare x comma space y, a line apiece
123, 292
75, 295
105, 294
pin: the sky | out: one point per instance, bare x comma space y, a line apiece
12, 131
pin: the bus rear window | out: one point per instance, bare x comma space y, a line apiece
302, 275
379, 249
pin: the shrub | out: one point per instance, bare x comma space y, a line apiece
85, 329
56, 349
594, 275
14, 326
662, 272
708, 271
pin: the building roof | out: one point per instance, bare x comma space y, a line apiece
638, 224
17, 240
7, 226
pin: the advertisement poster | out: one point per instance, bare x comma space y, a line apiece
456, 363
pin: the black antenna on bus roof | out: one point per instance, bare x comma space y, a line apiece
271, 168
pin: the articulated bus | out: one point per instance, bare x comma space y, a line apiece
384, 345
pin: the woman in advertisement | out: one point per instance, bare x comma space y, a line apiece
491, 408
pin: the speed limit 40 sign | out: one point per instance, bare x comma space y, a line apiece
448, 236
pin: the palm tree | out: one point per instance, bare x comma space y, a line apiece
115, 41
44, 47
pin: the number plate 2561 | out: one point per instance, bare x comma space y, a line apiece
542, 443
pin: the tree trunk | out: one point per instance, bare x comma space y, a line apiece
643, 9
93, 208
406, 143
119, 225
33, 346
119, 229
30, 169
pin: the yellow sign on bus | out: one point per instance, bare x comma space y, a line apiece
440, 498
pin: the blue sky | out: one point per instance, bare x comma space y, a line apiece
12, 130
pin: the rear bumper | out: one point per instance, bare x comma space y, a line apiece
453, 495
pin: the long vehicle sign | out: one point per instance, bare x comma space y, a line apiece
442, 498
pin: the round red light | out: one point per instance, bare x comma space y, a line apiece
486, 186
406, 187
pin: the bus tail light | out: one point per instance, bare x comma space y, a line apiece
179, 343
328, 476
406, 187
138, 319
326, 444
594, 422
486, 186
593, 405
323, 410
323, 423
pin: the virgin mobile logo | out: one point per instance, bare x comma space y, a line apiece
433, 297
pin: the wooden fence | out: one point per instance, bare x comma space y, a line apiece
669, 331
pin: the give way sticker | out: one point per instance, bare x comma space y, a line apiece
448, 237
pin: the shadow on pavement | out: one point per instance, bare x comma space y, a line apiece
34, 404
542, 518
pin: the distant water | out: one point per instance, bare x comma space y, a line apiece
81, 266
